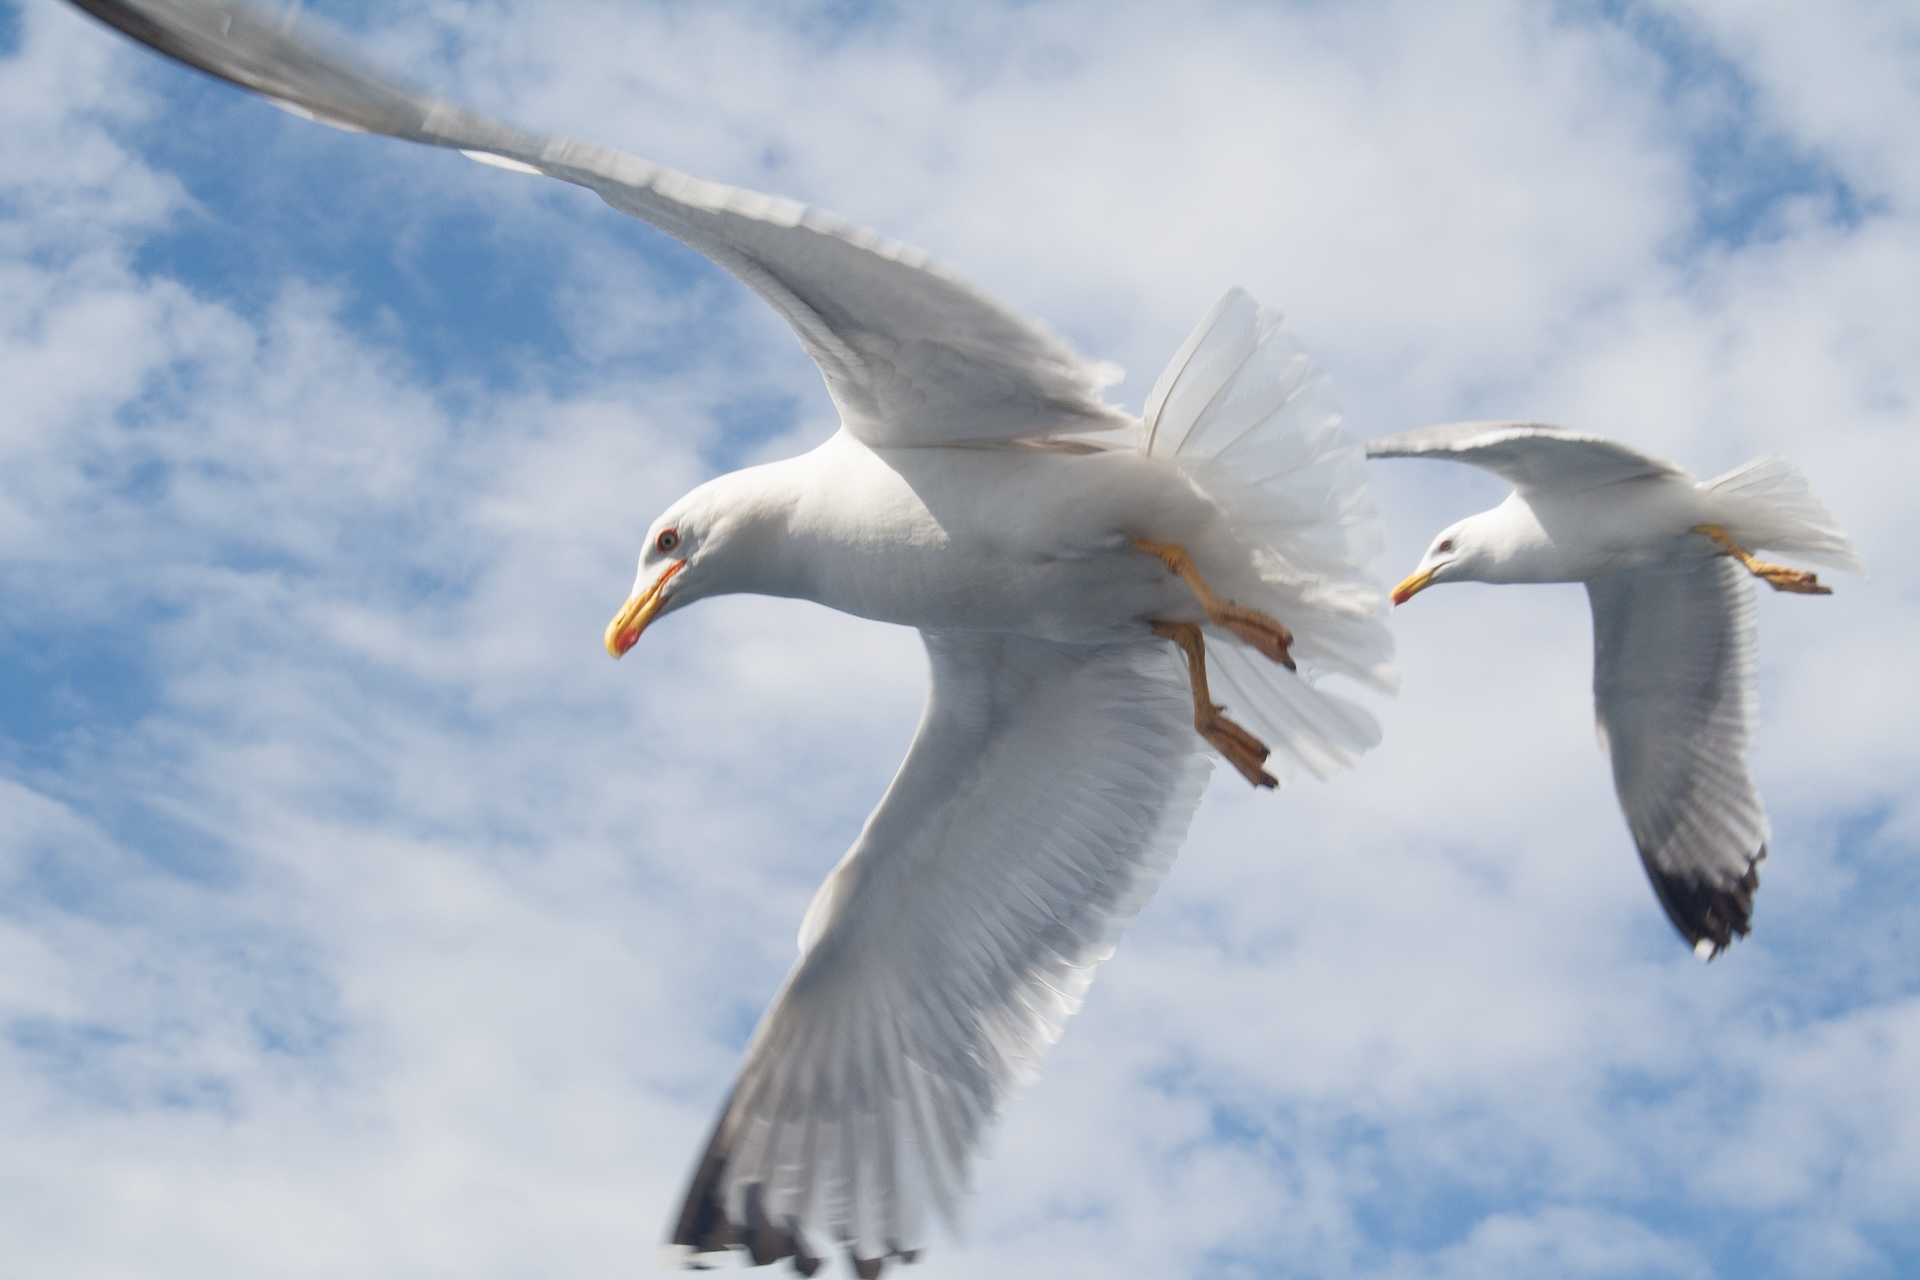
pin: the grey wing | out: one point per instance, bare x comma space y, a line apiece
1673, 688
1041, 804
911, 353
1527, 455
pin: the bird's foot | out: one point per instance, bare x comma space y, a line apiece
1242, 750
1781, 578
1267, 634
1777, 576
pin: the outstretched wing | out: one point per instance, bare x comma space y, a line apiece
911, 353
1043, 800
1673, 687
1527, 455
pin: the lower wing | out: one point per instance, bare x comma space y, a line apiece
1673, 687
1044, 798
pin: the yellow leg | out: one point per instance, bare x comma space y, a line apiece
1242, 750
1777, 576
1268, 635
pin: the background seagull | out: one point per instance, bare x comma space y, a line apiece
1061, 560
1665, 558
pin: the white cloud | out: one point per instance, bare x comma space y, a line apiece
359, 916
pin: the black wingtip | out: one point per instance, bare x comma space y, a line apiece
703, 1225
705, 1228
1710, 915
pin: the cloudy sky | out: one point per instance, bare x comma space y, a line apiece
359, 917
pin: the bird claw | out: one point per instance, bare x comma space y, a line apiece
1242, 750
1269, 635
1777, 576
1781, 578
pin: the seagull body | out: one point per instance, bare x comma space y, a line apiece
1645, 522
1023, 539
1048, 546
1665, 559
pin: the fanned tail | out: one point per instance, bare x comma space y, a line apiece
1251, 420
1769, 504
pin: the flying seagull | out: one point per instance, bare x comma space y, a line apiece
1666, 559
1084, 581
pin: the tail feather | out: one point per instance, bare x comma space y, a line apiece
1254, 424
1770, 505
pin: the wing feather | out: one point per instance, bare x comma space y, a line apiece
1673, 689
1527, 455
911, 353
1041, 804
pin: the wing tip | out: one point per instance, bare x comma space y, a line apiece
707, 1233
1708, 915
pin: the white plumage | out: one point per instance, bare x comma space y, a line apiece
1673, 623
981, 491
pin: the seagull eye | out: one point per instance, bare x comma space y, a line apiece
668, 540
1445, 544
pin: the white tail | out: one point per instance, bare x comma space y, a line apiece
1769, 504
1244, 412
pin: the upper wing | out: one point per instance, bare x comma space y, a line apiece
1527, 455
911, 353
1673, 687
1043, 800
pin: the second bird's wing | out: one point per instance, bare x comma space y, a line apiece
911, 353
1041, 804
1527, 455
1673, 688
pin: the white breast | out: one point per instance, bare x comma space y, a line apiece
1639, 523
1027, 540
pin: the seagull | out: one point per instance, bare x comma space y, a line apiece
1084, 581
1666, 559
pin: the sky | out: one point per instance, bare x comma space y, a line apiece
359, 917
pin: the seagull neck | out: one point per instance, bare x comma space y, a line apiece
1511, 545
759, 558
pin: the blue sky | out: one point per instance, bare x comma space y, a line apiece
357, 916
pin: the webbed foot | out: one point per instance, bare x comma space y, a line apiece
1267, 634
1242, 750
1778, 576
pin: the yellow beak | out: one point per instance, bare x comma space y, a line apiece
1412, 587
624, 631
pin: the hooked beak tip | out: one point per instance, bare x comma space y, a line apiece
1413, 586
639, 610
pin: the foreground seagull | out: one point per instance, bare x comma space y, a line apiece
1665, 558
1078, 576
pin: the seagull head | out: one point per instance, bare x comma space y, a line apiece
694, 550
1454, 556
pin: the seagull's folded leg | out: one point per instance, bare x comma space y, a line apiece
1242, 750
1269, 635
1777, 576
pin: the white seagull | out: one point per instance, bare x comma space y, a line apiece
1666, 559
1077, 575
